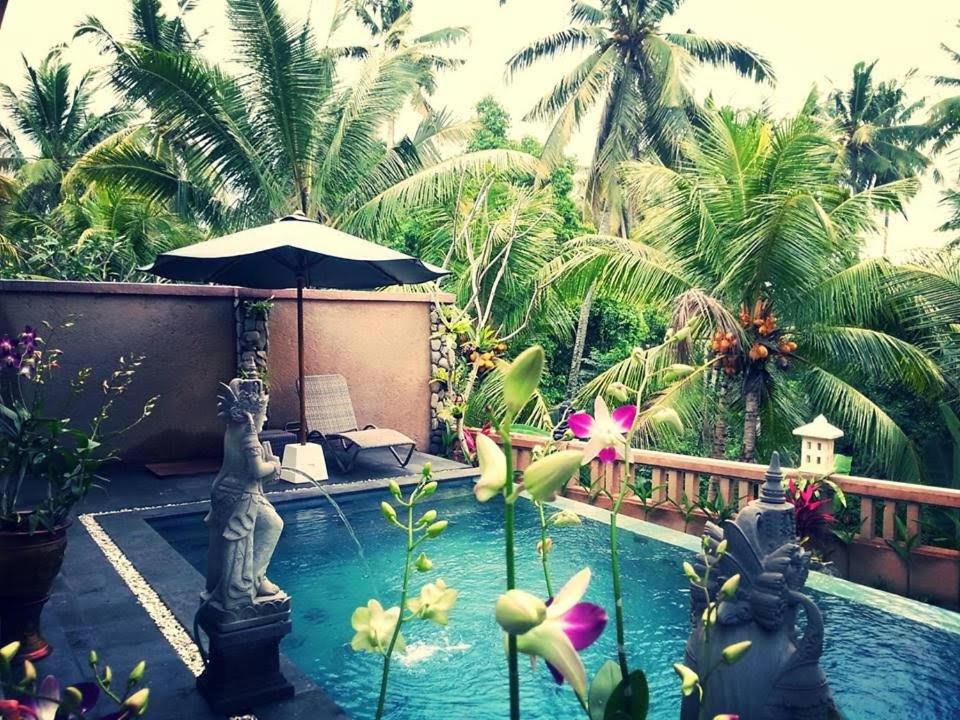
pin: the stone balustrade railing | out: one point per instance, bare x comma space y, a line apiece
680, 482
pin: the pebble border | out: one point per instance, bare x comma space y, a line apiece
146, 596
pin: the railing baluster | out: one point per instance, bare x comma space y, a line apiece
659, 480
889, 513
866, 518
723, 487
673, 485
913, 518
744, 492
691, 486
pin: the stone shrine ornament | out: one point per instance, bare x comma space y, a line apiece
780, 677
243, 614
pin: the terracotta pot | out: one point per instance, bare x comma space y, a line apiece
29, 563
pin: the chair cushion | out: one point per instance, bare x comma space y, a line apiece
376, 438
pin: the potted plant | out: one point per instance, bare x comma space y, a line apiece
48, 463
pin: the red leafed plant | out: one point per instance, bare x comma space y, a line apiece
813, 506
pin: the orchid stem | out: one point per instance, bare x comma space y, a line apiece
381, 701
543, 549
617, 592
508, 512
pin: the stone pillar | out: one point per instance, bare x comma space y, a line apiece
442, 355
253, 338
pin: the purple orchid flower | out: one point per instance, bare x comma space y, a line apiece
604, 432
28, 337
568, 627
47, 701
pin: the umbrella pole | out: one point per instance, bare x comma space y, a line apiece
303, 404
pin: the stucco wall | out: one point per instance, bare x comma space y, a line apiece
378, 341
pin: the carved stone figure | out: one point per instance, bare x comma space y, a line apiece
244, 527
780, 677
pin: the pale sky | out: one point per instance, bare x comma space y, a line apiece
813, 42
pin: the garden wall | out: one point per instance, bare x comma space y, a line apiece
380, 341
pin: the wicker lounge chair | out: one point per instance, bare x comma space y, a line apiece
332, 421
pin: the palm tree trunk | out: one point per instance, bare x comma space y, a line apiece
579, 343
718, 449
751, 422
886, 233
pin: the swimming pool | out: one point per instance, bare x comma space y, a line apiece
880, 664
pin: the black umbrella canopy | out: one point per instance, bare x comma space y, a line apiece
276, 256
294, 252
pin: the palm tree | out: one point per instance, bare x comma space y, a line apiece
390, 23
945, 115
638, 73
284, 134
951, 198
880, 142
755, 242
52, 112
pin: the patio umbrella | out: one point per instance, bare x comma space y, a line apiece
294, 252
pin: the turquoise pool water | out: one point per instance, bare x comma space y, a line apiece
880, 665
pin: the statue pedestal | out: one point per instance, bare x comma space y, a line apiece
243, 668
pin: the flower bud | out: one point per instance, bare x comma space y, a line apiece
667, 418
493, 469
136, 675
691, 573
94, 658
429, 489
394, 488
721, 548
428, 517
72, 699
518, 611
423, 563
688, 678
544, 547
437, 528
732, 653
107, 676
543, 478
677, 371
709, 616
137, 703
565, 518
427, 469
619, 392
522, 378
388, 511
7, 653
729, 588
29, 672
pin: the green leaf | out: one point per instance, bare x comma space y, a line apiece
842, 464
639, 702
602, 687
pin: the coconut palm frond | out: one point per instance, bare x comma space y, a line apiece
885, 447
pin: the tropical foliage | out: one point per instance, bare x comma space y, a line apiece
754, 243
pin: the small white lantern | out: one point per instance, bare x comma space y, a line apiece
816, 445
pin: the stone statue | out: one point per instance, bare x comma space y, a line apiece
780, 677
244, 527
